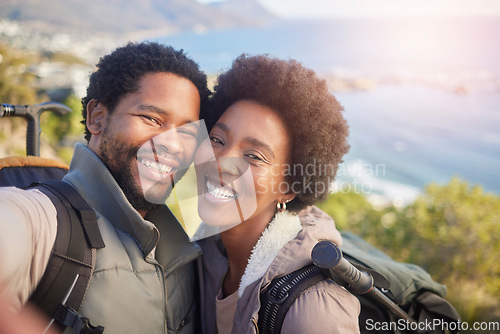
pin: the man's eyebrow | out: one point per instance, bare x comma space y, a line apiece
152, 108
159, 110
251, 140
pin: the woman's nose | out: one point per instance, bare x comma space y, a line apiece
229, 165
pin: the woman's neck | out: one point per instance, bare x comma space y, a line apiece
239, 242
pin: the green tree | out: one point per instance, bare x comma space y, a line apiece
452, 230
351, 211
16, 84
455, 235
64, 57
63, 131
16, 87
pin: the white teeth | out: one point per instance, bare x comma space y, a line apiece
155, 166
218, 192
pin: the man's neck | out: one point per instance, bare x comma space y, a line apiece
142, 213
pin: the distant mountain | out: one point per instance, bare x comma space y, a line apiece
128, 17
249, 8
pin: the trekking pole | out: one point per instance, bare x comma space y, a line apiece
32, 115
328, 256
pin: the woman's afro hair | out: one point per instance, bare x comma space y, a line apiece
313, 115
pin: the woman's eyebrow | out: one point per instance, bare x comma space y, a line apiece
251, 140
221, 126
261, 144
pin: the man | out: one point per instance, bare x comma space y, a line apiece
140, 114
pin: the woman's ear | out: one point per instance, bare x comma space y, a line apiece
287, 197
96, 116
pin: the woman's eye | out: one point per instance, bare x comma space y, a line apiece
216, 140
254, 157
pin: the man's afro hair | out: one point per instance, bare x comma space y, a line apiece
119, 73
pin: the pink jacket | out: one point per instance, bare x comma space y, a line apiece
284, 247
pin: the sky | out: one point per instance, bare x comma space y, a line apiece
379, 8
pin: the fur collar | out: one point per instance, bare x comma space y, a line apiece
282, 229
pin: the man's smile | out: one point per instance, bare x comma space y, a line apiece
156, 166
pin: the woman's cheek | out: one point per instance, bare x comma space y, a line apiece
262, 185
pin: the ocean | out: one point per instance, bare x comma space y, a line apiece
421, 96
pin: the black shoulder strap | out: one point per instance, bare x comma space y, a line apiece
64, 283
280, 294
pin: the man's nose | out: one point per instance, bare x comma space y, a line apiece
170, 141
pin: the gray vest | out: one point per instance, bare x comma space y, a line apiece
144, 279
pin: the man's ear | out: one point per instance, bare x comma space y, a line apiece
96, 116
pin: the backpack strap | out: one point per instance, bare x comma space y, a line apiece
64, 284
280, 294
277, 297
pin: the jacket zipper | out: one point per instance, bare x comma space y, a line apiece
164, 286
193, 256
164, 276
184, 320
255, 325
153, 261
163, 280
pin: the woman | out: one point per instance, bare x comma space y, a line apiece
276, 150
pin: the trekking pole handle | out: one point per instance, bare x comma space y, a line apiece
327, 255
8, 110
32, 114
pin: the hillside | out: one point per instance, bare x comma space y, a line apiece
131, 17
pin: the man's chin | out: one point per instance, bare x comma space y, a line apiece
149, 201
157, 194
149, 196
141, 204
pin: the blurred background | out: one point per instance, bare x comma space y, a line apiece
419, 82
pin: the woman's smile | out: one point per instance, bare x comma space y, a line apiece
219, 192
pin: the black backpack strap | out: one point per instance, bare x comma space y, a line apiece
65, 281
74, 201
277, 297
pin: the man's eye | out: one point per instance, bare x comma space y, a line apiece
151, 119
187, 132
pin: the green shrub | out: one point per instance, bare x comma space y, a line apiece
451, 230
